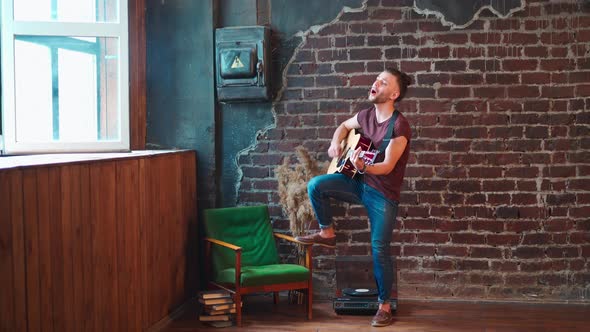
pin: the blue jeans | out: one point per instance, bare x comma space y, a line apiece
381, 211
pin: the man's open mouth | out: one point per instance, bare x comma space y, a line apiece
373, 92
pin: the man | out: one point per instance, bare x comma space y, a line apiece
378, 188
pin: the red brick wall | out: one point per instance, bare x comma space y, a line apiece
496, 201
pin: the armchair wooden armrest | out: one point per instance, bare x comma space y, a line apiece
290, 238
224, 244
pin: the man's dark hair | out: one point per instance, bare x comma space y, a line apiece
403, 80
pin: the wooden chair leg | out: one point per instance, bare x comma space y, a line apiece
238, 300
309, 303
275, 296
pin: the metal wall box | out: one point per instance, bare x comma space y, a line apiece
242, 63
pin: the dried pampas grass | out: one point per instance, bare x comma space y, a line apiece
292, 181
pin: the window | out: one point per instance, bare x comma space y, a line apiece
65, 85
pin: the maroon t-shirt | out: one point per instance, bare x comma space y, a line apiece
389, 184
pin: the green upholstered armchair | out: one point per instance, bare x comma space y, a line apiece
242, 258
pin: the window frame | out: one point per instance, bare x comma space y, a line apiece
11, 29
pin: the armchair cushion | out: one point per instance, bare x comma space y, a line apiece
265, 274
247, 227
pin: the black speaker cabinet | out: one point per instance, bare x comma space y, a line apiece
242, 63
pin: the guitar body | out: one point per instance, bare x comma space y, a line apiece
342, 163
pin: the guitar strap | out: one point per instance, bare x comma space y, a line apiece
390, 132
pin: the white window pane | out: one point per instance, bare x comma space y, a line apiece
66, 10
33, 92
32, 10
69, 86
77, 96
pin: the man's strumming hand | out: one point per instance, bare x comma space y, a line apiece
335, 150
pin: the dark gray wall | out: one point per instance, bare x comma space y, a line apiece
239, 121
180, 95
236, 13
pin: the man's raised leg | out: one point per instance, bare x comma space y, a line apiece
320, 189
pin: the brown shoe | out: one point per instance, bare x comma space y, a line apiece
317, 239
382, 318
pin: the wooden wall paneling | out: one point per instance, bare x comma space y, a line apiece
162, 232
45, 243
151, 286
152, 234
18, 250
157, 241
12, 274
6, 257
104, 246
31, 226
97, 246
160, 194
169, 221
182, 236
99, 266
67, 246
178, 239
190, 192
52, 217
189, 206
139, 257
86, 246
73, 247
128, 244
144, 233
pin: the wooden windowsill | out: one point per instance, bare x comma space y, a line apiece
7, 162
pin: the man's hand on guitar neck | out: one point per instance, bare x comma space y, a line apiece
357, 161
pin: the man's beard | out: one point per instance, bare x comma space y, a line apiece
378, 99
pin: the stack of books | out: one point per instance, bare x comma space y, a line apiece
218, 308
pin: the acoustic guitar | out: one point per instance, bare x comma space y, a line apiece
342, 163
